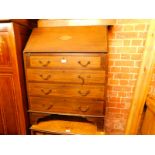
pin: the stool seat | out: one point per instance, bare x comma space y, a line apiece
65, 127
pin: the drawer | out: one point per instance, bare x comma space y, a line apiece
66, 76
84, 91
79, 61
66, 106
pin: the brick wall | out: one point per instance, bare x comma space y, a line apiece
126, 45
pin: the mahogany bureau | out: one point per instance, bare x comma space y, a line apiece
66, 72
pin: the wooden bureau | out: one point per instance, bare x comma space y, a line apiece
66, 72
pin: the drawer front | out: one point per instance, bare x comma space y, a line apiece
68, 61
66, 106
42, 89
66, 76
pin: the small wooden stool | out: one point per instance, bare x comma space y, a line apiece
64, 127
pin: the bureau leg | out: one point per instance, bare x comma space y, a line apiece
35, 117
32, 132
98, 121
100, 124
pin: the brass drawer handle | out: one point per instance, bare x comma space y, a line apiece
83, 93
84, 109
84, 65
44, 64
46, 92
45, 78
49, 107
83, 81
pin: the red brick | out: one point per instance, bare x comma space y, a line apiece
126, 35
125, 56
118, 116
124, 111
114, 110
113, 82
137, 42
120, 105
136, 56
142, 35
123, 94
125, 100
132, 82
124, 82
134, 70
127, 42
115, 42
110, 88
114, 99
115, 69
125, 49
121, 88
124, 63
114, 56
140, 27
111, 93
140, 50
111, 104
123, 76
137, 63
128, 28
125, 69
134, 76
112, 49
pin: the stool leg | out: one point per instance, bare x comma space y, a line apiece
32, 132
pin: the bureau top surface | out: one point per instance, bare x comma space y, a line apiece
68, 39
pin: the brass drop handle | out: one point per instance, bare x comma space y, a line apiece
46, 92
83, 93
84, 65
49, 107
84, 109
44, 64
45, 78
83, 81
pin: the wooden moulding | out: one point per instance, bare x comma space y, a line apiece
29, 23
148, 126
143, 82
74, 22
150, 102
13, 118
